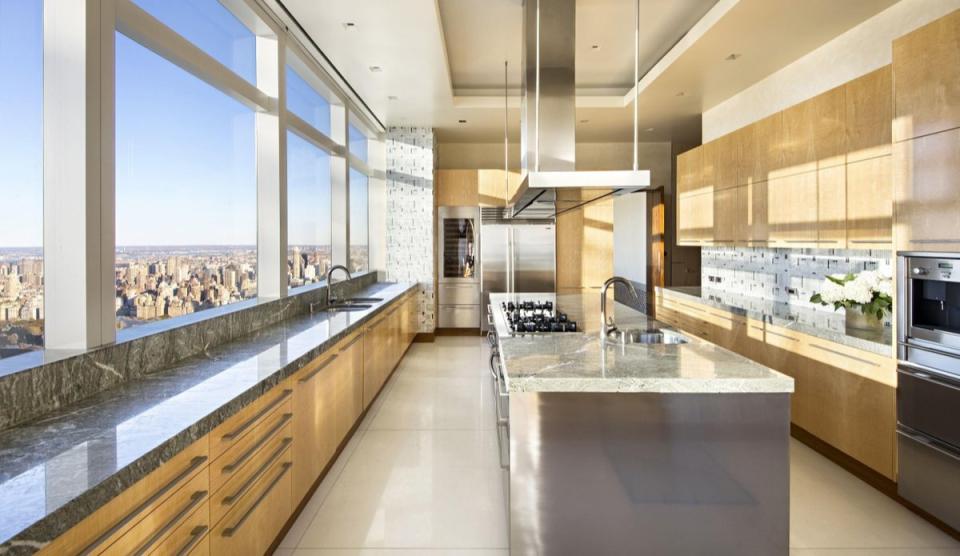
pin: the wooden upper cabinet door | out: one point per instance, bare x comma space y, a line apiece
757, 218
767, 151
869, 204
708, 175
743, 143
799, 131
457, 188
726, 156
926, 77
730, 216
829, 126
869, 109
792, 210
694, 219
926, 180
832, 207
689, 170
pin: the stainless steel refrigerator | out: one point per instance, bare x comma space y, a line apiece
516, 255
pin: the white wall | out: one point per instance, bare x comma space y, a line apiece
630, 237
860, 50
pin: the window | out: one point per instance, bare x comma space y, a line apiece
186, 214
308, 213
359, 230
307, 103
21, 176
213, 28
358, 143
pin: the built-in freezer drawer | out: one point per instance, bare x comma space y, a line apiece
459, 294
928, 402
459, 316
929, 476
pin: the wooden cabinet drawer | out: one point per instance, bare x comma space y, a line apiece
251, 526
189, 538
245, 478
233, 429
104, 527
244, 452
152, 532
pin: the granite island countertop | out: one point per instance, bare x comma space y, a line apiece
57, 470
821, 324
580, 362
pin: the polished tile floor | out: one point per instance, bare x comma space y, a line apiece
421, 476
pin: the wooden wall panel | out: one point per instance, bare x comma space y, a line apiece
585, 246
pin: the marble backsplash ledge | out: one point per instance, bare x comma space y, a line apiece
47, 382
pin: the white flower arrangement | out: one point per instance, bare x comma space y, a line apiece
871, 291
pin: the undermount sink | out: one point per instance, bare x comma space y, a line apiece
346, 307
646, 336
355, 300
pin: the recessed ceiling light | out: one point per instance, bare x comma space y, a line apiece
650, 129
349, 25
681, 93
733, 56
462, 121
376, 69
391, 97
584, 121
595, 47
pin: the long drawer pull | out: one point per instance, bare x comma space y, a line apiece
230, 499
230, 531
249, 422
841, 354
195, 537
253, 449
194, 464
319, 368
195, 499
353, 341
935, 241
871, 241
691, 307
772, 333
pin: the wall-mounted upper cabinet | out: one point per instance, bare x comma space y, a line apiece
814, 175
926, 73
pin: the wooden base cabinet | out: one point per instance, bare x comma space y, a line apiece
844, 396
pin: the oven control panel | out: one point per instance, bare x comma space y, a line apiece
945, 270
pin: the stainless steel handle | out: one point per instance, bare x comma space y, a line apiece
928, 443
231, 498
230, 531
195, 537
926, 374
249, 422
883, 241
316, 371
927, 349
841, 354
194, 464
253, 449
505, 427
935, 241
195, 499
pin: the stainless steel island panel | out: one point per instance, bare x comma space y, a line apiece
649, 473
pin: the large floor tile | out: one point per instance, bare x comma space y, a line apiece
437, 403
874, 551
830, 508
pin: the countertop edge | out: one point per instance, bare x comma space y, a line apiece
54, 524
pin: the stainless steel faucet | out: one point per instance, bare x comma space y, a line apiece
330, 298
608, 326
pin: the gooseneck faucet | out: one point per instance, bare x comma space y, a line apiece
330, 298
608, 326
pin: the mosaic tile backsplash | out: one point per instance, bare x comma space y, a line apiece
789, 276
411, 159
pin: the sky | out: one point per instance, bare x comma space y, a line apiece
186, 158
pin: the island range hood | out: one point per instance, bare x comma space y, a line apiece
548, 118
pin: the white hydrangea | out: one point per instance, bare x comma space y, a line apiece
857, 291
831, 292
869, 279
885, 287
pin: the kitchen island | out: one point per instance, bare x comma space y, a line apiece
639, 448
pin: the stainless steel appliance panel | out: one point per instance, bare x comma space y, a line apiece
458, 294
534, 256
928, 401
458, 316
458, 238
494, 265
928, 476
929, 288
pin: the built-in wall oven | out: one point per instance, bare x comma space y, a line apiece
458, 288
928, 382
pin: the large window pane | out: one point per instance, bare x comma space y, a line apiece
186, 192
358, 143
308, 212
304, 101
21, 176
359, 227
213, 28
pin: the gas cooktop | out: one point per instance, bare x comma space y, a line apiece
536, 316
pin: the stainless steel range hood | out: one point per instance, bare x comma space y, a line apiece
548, 115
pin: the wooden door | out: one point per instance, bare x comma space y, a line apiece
927, 192
926, 73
